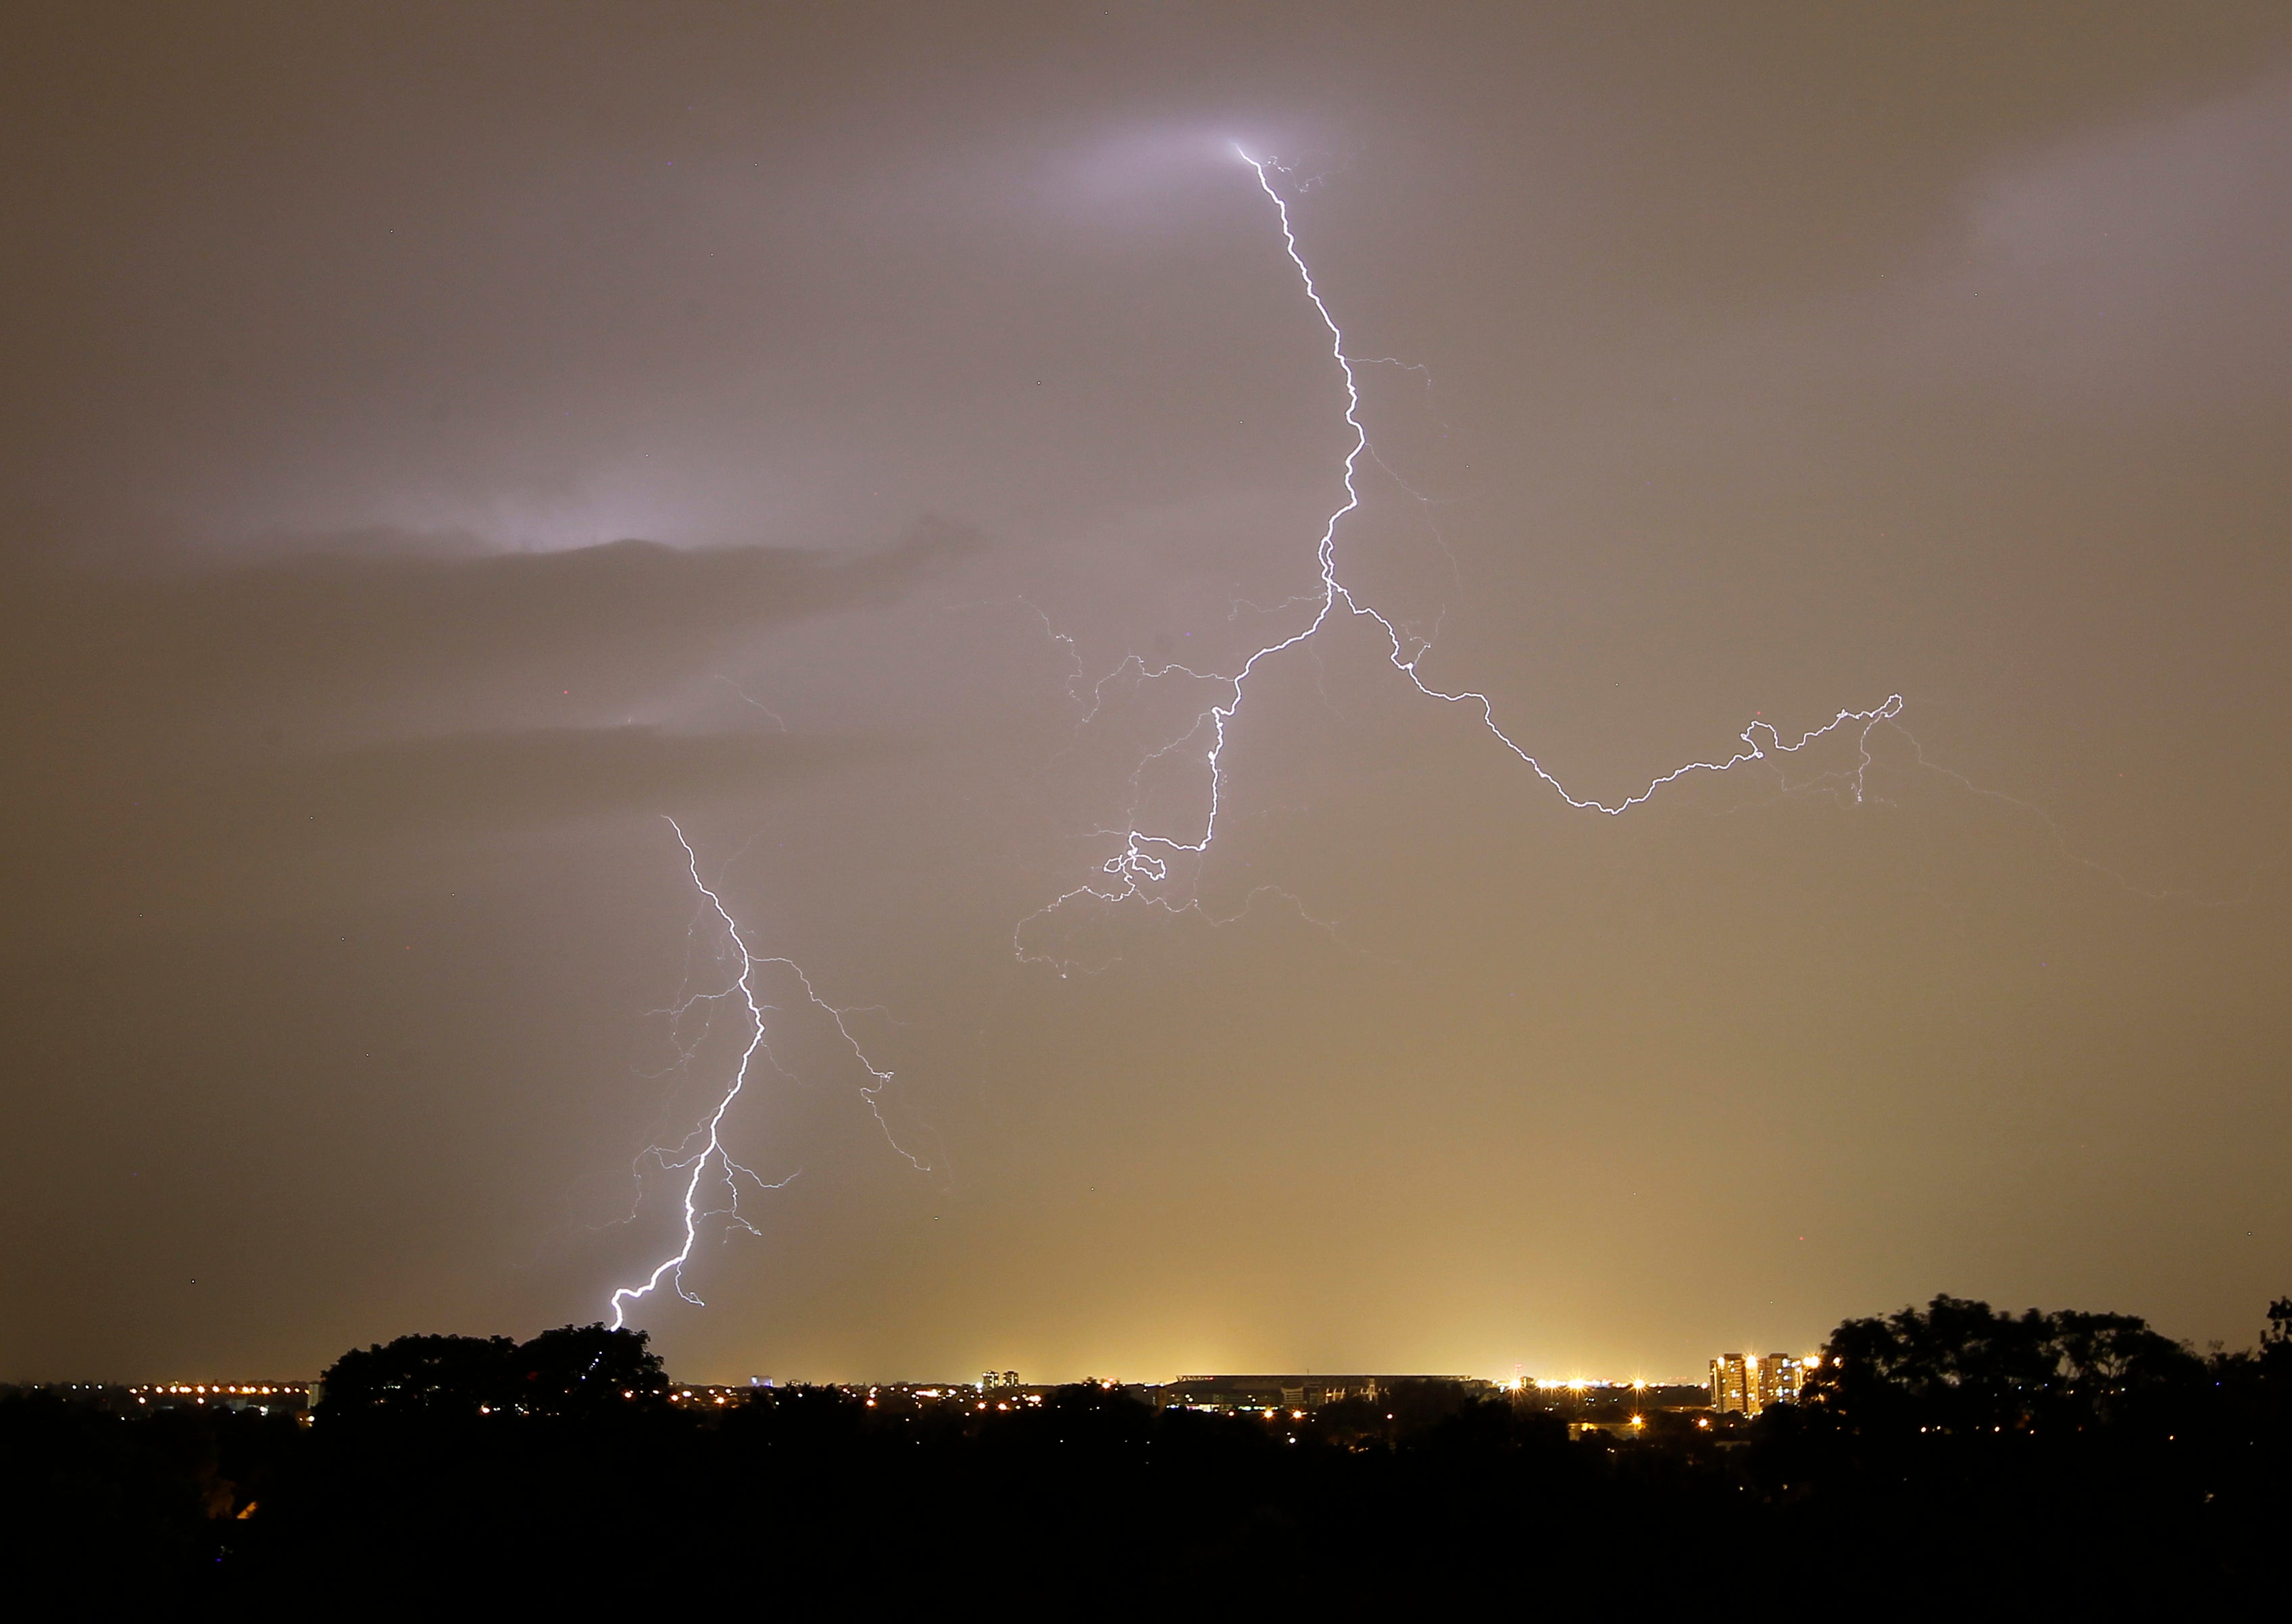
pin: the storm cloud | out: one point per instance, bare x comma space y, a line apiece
178, 734
1722, 366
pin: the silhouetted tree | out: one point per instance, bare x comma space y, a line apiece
578, 1370
2065, 1459
2276, 1341
572, 1371
428, 1376
2108, 1361
1960, 1366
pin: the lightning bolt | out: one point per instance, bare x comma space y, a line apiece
1141, 867
747, 698
711, 1175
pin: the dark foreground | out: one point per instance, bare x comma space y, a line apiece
1945, 1458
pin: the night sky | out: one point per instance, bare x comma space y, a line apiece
442, 444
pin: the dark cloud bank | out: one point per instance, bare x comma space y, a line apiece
169, 720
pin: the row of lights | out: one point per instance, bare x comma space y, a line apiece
1579, 1385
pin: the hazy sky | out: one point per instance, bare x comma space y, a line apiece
440, 443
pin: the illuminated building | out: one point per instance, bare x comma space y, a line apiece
1608, 1404
1742, 1385
1779, 1380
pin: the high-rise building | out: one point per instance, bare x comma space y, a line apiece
1731, 1386
1742, 1385
1778, 1381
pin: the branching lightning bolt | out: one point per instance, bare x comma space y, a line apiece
710, 1172
1141, 867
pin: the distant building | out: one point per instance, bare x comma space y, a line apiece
1780, 1379
1609, 1402
1297, 1392
1631, 1427
1742, 1385
991, 1382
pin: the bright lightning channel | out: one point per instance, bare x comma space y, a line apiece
710, 1172
1142, 865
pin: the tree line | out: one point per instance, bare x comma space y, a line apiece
1937, 1453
